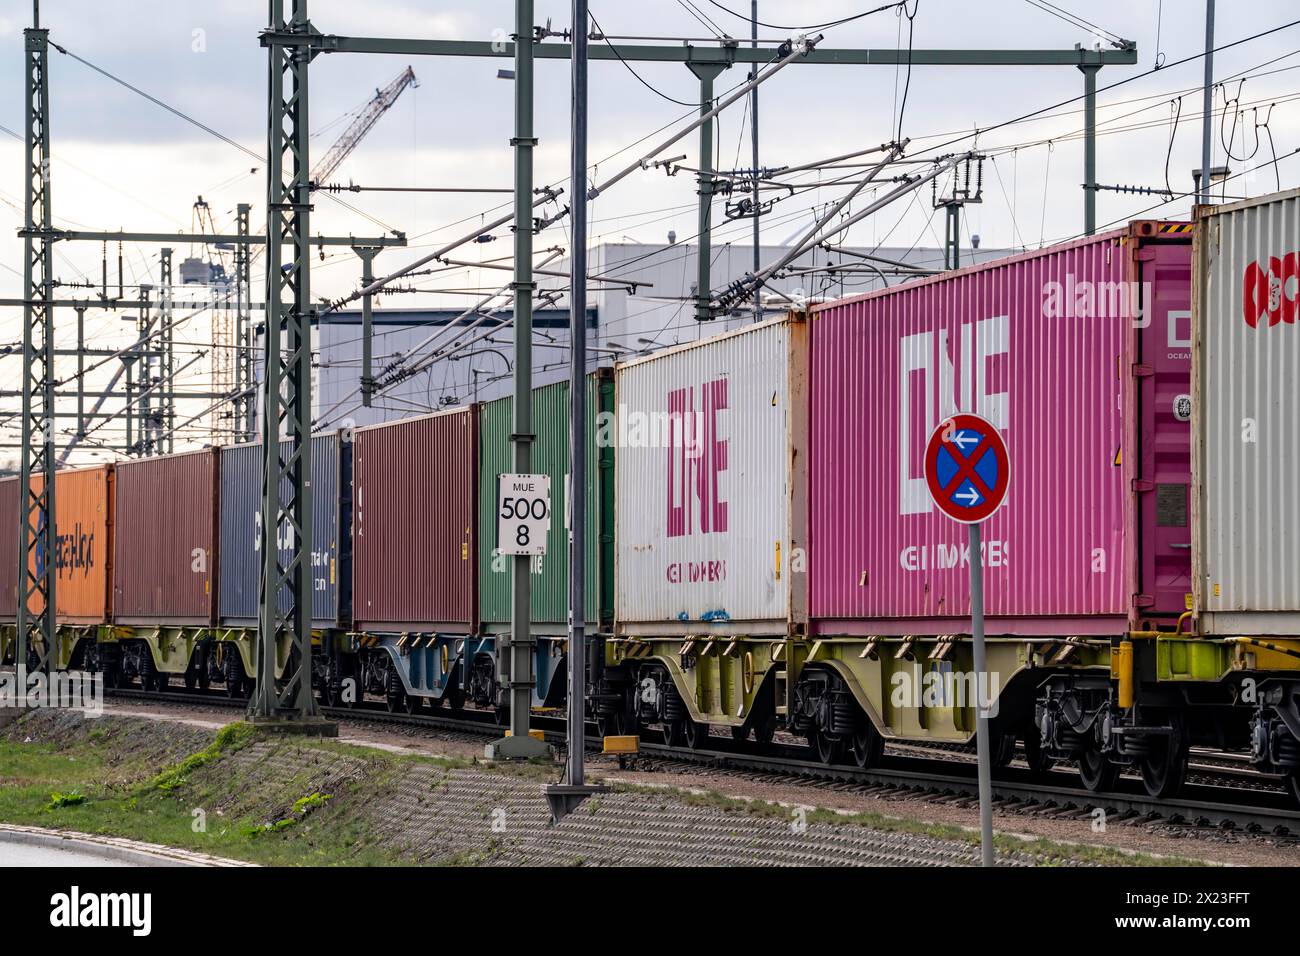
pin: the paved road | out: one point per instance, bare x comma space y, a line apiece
18, 854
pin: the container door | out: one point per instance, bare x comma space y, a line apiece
1164, 393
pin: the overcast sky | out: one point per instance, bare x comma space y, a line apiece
122, 162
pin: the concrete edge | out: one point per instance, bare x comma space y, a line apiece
111, 848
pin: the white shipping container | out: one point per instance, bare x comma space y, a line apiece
706, 485
1246, 417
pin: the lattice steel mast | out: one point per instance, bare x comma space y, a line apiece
36, 572
286, 472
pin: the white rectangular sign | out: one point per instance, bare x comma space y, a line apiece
523, 513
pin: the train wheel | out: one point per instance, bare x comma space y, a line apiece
455, 697
1293, 781
739, 734
764, 732
610, 725
235, 677
1035, 756
695, 734
148, 672
868, 746
829, 750
675, 733
1165, 768
413, 703
1005, 751
393, 692
1097, 772
161, 680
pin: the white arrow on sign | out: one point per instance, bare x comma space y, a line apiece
969, 497
961, 440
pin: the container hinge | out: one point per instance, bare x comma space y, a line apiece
1143, 371
1143, 484
1143, 600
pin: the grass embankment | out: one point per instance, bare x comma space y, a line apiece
289, 801
105, 780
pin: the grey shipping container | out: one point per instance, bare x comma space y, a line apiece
331, 540
1246, 417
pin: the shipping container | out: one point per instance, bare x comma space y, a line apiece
1247, 417
331, 543
1080, 355
414, 518
164, 541
83, 506
709, 502
550, 456
9, 505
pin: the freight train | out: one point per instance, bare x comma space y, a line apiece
762, 553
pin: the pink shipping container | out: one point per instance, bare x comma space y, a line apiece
1080, 355
164, 541
414, 555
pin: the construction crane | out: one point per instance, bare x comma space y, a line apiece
366, 119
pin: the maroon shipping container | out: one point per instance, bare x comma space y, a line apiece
414, 552
164, 546
9, 565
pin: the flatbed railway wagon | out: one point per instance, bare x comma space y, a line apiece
789, 570
1245, 505
229, 657
83, 558
164, 574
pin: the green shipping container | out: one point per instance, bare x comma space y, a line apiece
550, 579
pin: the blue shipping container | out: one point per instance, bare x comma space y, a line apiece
331, 546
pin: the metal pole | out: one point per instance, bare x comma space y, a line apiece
367, 254
81, 371
165, 420
515, 660
706, 72
245, 407
753, 124
981, 704
578, 404
145, 379
34, 619
1207, 106
1089, 147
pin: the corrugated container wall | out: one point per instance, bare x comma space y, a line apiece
83, 530
1048, 346
164, 542
9, 504
413, 524
1247, 416
550, 455
241, 502
704, 483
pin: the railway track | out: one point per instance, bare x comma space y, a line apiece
1222, 799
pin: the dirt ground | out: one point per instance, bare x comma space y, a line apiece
1212, 846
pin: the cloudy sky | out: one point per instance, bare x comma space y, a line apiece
122, 162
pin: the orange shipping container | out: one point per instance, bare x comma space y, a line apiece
9, 565
83, 506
